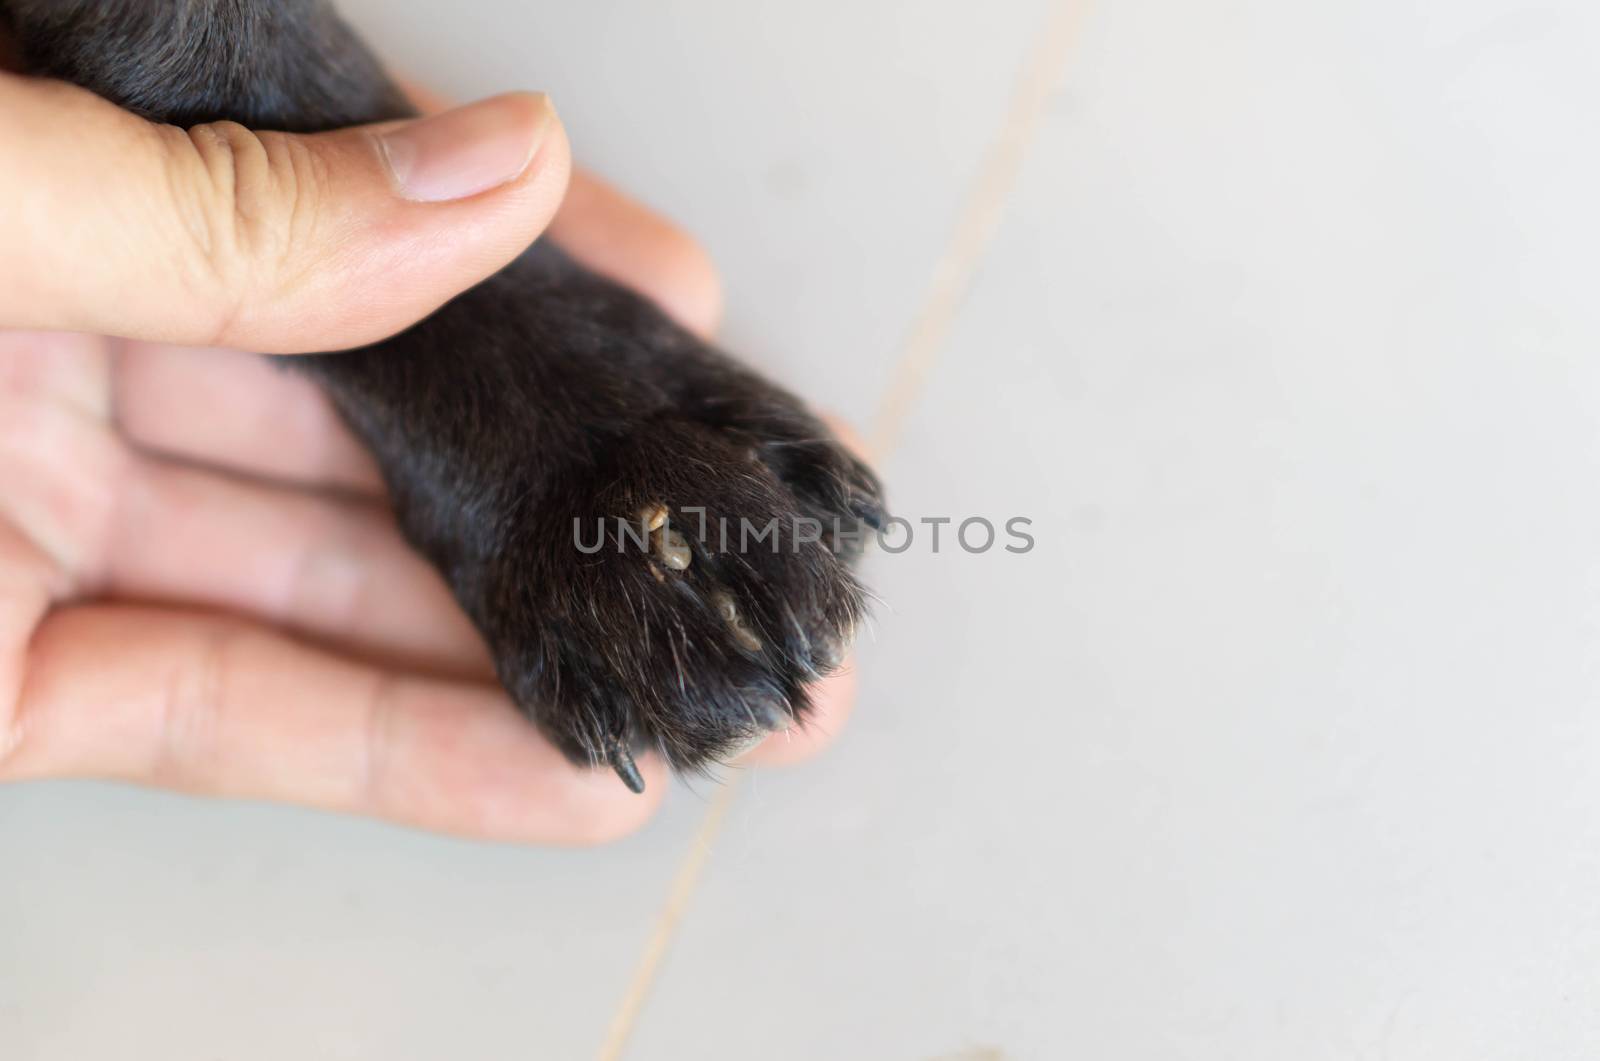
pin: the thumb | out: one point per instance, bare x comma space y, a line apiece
271, 242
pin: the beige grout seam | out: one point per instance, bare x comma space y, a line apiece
683, 885
977, 224
975, 229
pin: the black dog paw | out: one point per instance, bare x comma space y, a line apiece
657, 544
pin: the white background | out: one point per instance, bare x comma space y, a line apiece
1281, 744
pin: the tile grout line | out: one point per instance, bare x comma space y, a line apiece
976, 226
678, 896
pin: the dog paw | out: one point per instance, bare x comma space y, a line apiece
658, 545
694, 575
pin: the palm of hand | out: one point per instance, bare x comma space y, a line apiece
209, 682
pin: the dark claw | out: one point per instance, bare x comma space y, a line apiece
622, 763
868, 512
827, 652
771, 711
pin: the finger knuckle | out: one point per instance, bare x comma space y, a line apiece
190, 706
247, 202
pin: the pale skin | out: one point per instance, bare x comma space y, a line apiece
201, 584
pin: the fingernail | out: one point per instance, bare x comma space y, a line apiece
468, 150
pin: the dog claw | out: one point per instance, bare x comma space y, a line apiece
622, 762
774, 714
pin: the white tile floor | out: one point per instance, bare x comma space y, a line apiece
1279, 744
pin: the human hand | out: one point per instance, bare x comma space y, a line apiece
201, 585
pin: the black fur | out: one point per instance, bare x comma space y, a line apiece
544, 395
